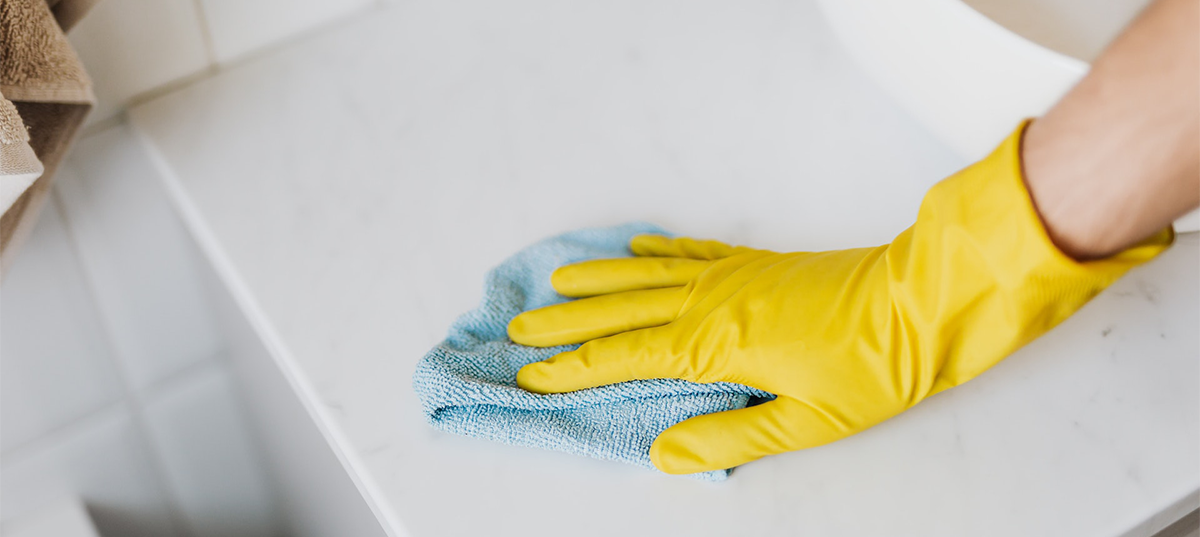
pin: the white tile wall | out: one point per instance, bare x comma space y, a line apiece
197, 426
132, 46
112, 385
136, 251
113, 382
239, 27
54, 361
103, 461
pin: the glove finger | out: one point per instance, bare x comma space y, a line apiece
604, 276
636, 355
590, 318
734, 437
661, 246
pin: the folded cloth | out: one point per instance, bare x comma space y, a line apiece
19, 166
37, 62
467, 384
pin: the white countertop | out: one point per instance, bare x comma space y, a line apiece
356, 185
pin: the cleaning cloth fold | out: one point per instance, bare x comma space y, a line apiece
467, 384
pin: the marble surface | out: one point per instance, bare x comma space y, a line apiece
355, 186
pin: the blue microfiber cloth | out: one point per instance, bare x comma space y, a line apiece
467, 384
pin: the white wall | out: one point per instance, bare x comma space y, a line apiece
116, 384
135, 48
118, 381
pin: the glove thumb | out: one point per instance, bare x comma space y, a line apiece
734, 437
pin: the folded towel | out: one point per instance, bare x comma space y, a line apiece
42, 77
19, 166
467, 384
37, 62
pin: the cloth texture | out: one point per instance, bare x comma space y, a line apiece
467, 384
19, 166
37, 62
44, 80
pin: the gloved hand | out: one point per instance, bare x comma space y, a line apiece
845, 339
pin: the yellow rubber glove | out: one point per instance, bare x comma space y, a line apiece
845, 339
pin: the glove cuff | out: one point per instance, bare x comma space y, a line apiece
981, 230
998, 210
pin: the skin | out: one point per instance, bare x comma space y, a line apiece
1118, 158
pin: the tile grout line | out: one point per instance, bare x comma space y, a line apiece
210, 47
154, 390
176, 379
54, 435
224, 361
130, 398
216, 66
209, 69
329, 24
100, 126
170, 87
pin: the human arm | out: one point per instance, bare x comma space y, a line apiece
1118, 158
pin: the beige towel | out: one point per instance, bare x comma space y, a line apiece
19, 166
42, 76
37, 63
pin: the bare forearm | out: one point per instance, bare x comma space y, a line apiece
1118, 158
